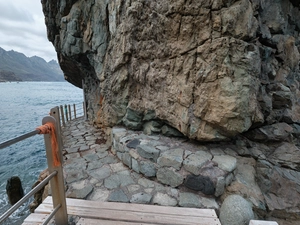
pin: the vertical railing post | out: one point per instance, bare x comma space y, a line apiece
66, 112
74, 108
57, 182
69, 108
62, 115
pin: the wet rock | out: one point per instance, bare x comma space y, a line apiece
200, 183
235, 210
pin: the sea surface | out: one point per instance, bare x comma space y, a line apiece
22, 108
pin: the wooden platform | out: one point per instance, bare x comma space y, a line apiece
112, 213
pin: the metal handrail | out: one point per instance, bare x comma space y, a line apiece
17, 139
57, 185
51, 214
27, 196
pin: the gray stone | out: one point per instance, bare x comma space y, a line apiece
173, 157
94, 165
194, 162
76, 176
220, 186
117, 133
209, 203
225, 162
169, 177
118, 196
141, 198
133, 119
135, 165
274, 132
80, 193
118, 180
164, 199
100, 173
187, 199
126, 159
147, 168
148, 152
235, 210
109, 159
146, 183
133, 144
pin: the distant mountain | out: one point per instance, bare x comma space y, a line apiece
15, 66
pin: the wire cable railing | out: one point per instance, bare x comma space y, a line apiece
52, 136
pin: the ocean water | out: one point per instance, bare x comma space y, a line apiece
22, 108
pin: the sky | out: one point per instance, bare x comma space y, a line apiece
23, 29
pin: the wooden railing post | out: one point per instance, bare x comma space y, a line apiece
62, 115
69, 108
74, 108
57, 182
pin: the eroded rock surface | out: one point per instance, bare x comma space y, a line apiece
210, 69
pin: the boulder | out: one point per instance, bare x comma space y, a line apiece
235, 210
14, 190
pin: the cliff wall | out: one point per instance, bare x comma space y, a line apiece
214, 70
210, 69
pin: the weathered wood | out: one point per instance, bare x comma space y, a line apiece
262, 222
57, 182
87, 221
125, 213
137, 207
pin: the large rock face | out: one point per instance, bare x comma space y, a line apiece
210, 69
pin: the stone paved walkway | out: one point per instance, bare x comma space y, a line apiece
92, 172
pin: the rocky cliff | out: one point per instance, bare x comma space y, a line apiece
210, 69
214, 70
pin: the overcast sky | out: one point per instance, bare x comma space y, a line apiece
23, 29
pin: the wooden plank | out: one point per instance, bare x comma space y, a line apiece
36, 218
137, 217
88, 221
134, 213
262, 222
138, 207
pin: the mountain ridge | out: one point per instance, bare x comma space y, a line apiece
15, 66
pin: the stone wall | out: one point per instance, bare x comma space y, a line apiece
210, 69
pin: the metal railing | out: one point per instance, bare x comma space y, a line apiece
55, 173
66, 112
